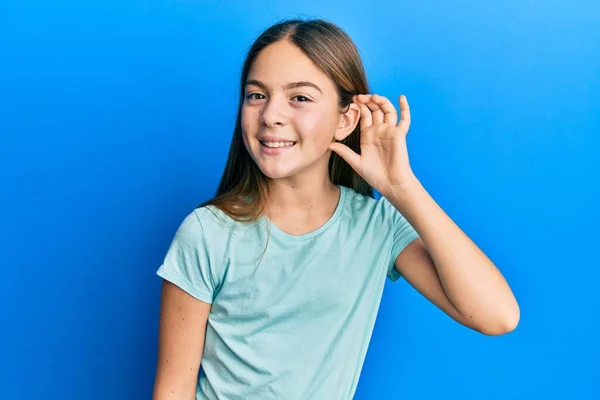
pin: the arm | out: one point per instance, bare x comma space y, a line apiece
445, 265
182, 330
449, 269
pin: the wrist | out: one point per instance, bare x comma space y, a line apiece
408, 185
404, 194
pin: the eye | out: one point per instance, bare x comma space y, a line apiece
254, 96
301, 98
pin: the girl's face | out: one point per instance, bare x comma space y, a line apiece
290, 114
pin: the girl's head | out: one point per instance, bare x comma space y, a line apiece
296, 92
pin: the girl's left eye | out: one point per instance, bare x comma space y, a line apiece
301, 98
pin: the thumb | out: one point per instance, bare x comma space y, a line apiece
347, 154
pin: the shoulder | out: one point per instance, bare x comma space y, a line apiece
208, 225
209, 233
377, 209
218, 235
215, 222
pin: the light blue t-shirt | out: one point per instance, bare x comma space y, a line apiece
292, 320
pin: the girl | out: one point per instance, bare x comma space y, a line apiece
274, 285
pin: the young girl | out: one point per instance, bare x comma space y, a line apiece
275, 284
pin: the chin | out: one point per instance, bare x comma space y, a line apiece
276, 172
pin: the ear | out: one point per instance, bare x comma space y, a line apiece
347, 122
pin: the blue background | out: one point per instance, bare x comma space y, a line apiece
115, 120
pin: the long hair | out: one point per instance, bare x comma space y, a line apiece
244, 190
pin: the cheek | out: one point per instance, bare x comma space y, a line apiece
317, 128
246, 125
245, 119
246, 128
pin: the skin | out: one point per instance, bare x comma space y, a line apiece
443, 264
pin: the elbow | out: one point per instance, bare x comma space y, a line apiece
504, 324
167, 392
172, 395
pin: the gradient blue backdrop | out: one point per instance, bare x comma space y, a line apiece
115, 119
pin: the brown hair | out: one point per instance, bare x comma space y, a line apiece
243, 191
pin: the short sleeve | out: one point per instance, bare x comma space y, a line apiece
402, 235
186, 263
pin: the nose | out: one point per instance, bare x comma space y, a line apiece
273, 113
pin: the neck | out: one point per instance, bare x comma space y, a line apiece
309, 191
298, 194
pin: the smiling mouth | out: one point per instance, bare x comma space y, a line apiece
276, 145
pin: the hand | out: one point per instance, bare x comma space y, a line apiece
383, 161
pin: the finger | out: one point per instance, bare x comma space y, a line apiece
376, 112
347, 154
390, 115
363, 98
366, 120
404, 113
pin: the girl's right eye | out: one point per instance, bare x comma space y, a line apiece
254, 96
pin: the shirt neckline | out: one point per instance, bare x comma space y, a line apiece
278, 233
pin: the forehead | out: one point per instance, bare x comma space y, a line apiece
282, 62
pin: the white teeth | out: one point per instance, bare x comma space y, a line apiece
278, 144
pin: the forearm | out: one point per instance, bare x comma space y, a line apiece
470, 280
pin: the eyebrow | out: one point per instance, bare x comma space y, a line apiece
291, 85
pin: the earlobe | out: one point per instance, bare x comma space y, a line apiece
348, 122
